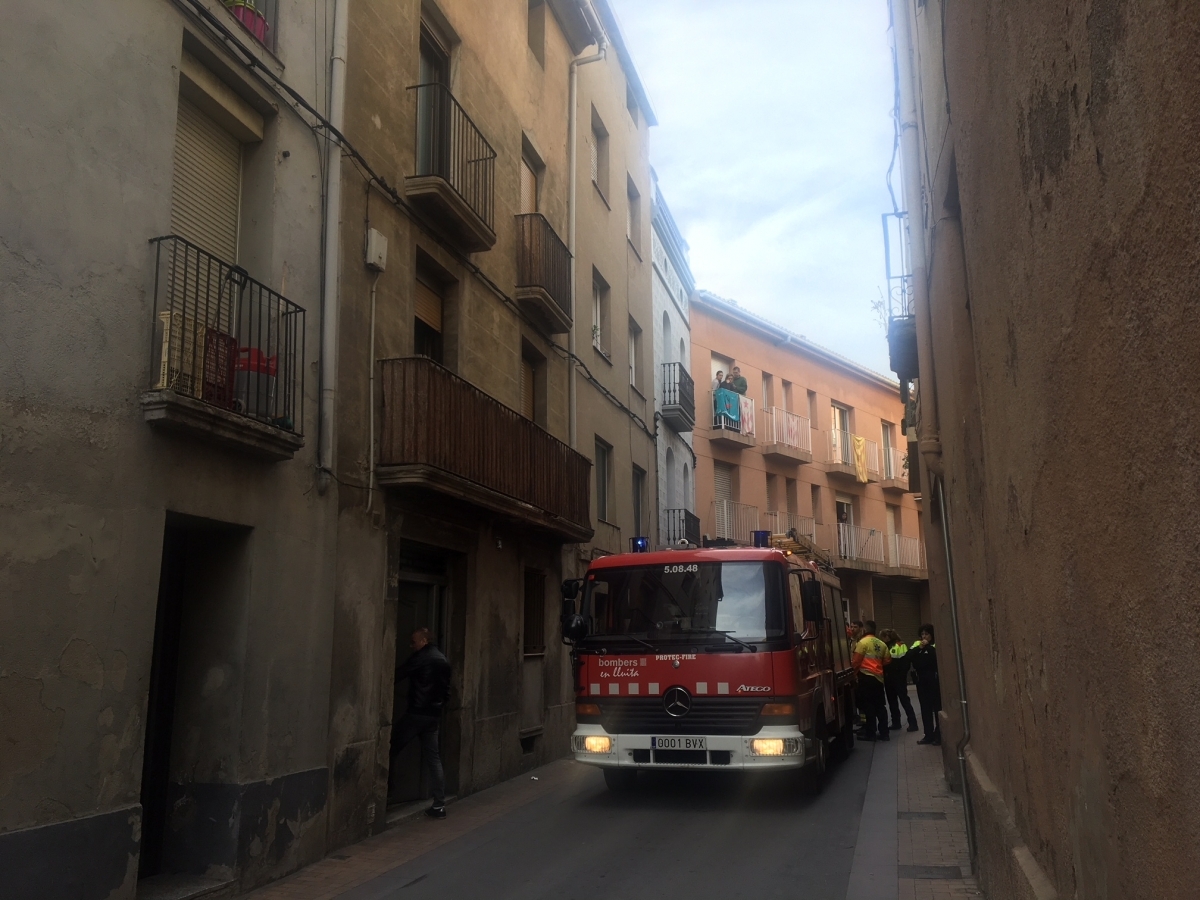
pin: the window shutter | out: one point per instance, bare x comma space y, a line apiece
207, 183
723, 481
429, 306
529, 188
594, 151
527, 402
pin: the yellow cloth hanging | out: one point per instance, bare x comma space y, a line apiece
859, 445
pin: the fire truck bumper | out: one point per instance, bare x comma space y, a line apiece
772, 748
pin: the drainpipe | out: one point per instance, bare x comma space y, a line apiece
928, 429
330, 310
960, 749
589, 14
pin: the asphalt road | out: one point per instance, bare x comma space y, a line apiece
677, 836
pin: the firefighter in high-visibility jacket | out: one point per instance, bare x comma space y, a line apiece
895, 680
870, 658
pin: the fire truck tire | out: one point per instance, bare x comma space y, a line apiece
620, 780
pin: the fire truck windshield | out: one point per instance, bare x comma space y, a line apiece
687, 602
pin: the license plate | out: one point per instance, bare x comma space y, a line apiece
678, 743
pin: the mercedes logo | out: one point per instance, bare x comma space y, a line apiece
677, 702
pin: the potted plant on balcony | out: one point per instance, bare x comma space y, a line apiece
252, 20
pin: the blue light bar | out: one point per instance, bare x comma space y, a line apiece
761, 538
639, 545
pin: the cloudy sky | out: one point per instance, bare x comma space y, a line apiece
773, 142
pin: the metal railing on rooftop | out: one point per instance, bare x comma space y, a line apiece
451, 147
225, 339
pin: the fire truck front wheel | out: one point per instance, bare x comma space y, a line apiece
620, 780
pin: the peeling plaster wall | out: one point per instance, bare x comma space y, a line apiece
1067, 367
85, 485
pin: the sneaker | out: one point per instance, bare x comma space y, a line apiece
437, 811
912, 726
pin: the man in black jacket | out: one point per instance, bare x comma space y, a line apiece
428, 674
929, 690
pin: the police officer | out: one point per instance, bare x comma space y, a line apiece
895, 679
929, 688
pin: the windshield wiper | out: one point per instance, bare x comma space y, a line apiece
604, 638
749, 647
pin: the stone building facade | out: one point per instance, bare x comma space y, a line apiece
674, 386
166, 561
784, 462
1048, 153
335, 402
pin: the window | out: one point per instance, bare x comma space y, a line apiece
633, 222
723, 480
768, 389
639, 501
772, 493
635, 355
818, 515
787, 396
631, 103
686, 501
432, 118
600, 303
812, 409
534, 630
672, 500
666, 331
793, 501
603, 467
536, 30
427, 321
598, 154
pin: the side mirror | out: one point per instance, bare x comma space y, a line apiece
574, 628
810, 600
570, 588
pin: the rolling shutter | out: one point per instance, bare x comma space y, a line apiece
722, 481
529, 188
206, 188
429, 306
527, 400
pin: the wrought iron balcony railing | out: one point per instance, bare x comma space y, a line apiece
442, 433
543, 272
678, 397
451, 148
224, 339
680, 525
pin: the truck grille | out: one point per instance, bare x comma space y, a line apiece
709, 715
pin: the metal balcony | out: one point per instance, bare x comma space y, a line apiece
679, 398
842, 459
444, 435
227, 354
734, 521
680, 525
543, 287
906, 556
785, 523
853, 547
456, 170
787, 437
894, 476
732, 416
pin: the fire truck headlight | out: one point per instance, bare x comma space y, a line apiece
774, 746
592, 743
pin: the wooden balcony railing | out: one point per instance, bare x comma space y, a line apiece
444, 434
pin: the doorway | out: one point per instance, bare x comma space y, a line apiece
199, 629
421, 602
847, 536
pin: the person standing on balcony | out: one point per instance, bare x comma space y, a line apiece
929, 688
739, 382
895, 679
428, 674
719, 381
870, 657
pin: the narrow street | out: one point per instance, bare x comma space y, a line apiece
565, 835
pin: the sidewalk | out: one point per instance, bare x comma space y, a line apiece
912, 841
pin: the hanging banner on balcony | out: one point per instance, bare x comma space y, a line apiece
726, 409
859, 445
746, 409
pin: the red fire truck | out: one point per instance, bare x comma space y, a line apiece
715, 658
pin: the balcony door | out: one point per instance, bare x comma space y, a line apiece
433, 107
841, 435
420, 603
427, 327
847, 542
723, 499
529, 187
533, 649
